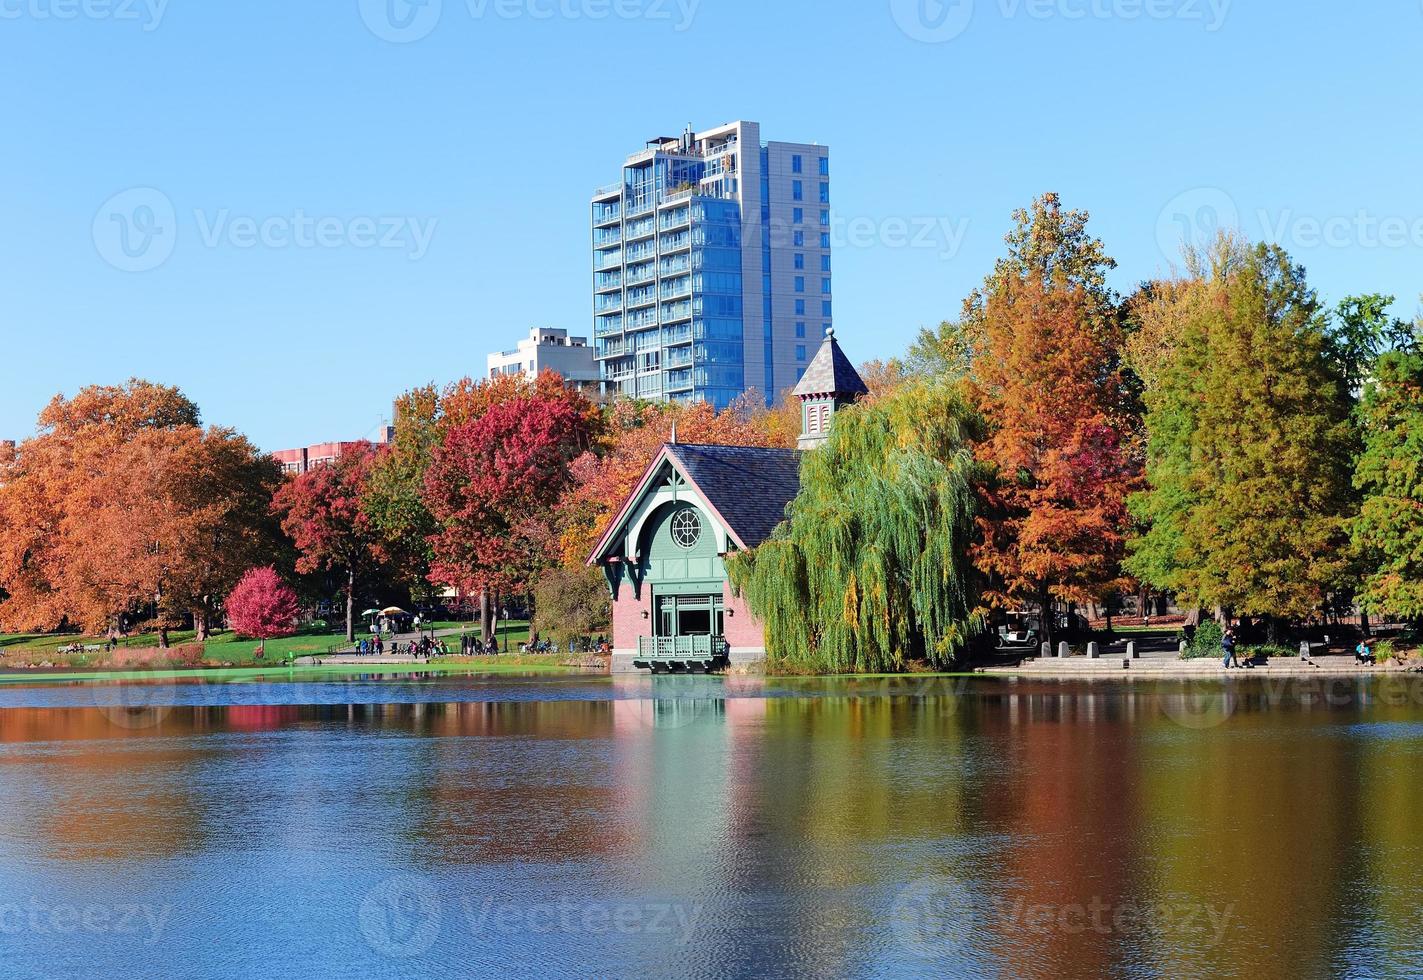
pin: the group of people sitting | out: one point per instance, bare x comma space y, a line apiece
584, 644
425, 646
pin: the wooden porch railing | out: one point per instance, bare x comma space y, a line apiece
680, 647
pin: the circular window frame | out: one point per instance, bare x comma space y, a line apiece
682, 522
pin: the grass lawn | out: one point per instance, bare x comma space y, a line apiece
514, 664
221, 648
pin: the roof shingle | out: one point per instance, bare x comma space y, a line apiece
831, 373
748, 486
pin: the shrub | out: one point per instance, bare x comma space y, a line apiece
1206, 642
1267, 651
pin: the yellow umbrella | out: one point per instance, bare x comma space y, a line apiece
394, 611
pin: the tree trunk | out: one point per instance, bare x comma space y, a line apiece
163, 636
486, 616
1272, 630
1193, 616
1363, 623
200, 623
350, 605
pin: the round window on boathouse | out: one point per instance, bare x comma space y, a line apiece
686, 529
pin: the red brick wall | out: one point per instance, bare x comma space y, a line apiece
743, 630
628, 623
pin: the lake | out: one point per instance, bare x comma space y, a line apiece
577, 826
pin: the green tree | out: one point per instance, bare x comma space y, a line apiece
1363, 330
571, 604
1251, 443
1389, 527
1166, 349
1046, 242
394, 499
871, 569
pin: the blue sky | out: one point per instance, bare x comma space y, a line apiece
365, 197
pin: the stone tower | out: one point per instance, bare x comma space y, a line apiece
830, 383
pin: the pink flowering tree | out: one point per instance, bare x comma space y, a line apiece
263, 607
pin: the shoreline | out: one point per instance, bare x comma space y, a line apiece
11, 676
1112, 669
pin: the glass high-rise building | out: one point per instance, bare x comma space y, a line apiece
711, 266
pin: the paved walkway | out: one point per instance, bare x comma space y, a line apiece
1165, 668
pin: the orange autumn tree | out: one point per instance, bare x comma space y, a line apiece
122, 505
1048, 382
633, 433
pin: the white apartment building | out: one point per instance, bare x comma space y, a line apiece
548, 349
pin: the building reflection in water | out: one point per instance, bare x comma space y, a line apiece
797, 818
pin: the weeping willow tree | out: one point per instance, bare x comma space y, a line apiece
871, 569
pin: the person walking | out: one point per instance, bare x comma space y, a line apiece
1227, 643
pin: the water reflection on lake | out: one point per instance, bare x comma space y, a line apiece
583, 826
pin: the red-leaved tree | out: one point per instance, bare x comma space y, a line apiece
321, 511
493, 483
262, 606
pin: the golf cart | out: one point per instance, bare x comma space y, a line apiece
1018, 632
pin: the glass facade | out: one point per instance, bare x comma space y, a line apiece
684, 262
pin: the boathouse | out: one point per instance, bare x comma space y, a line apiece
664, 554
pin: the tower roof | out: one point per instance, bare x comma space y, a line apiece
830, 373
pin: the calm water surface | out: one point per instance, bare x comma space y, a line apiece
591, 827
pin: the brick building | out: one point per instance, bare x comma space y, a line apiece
664, 555
297, 461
